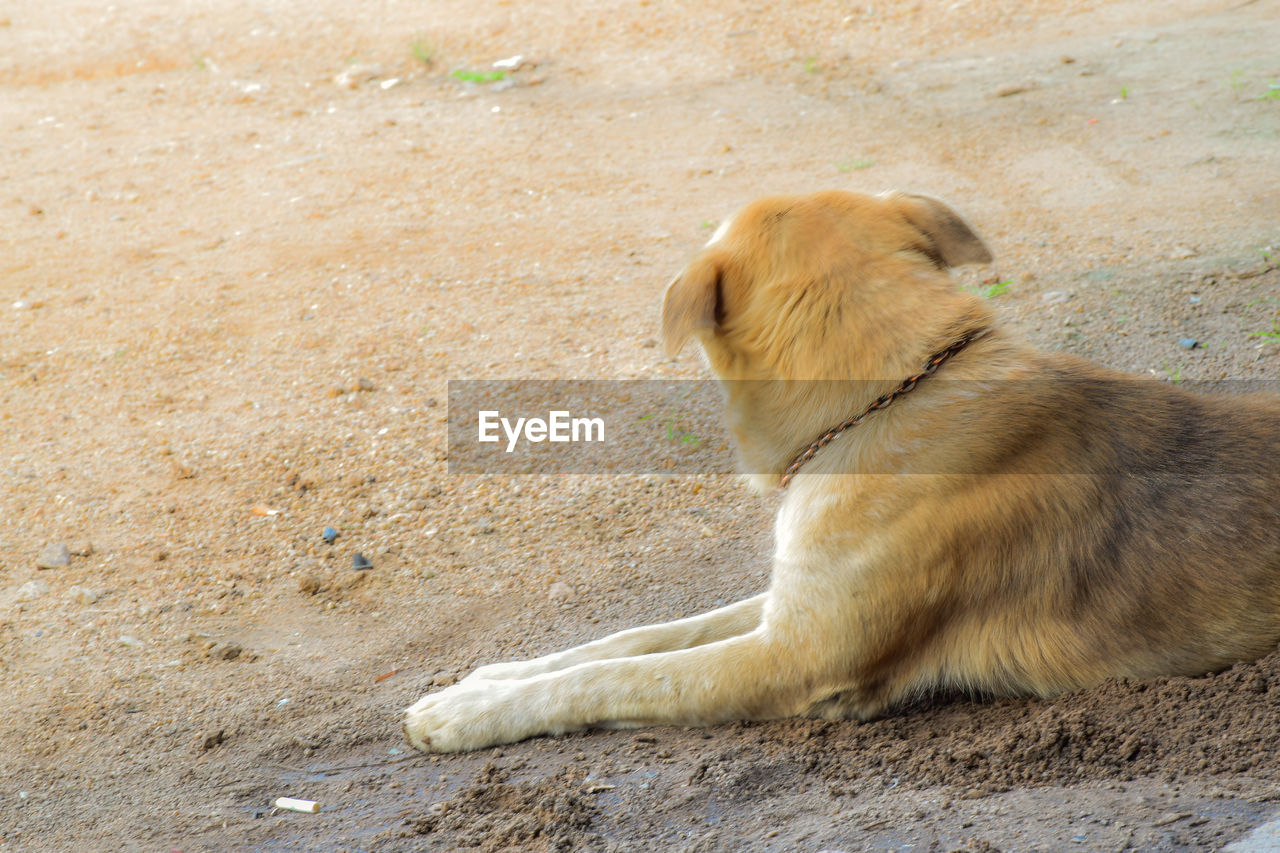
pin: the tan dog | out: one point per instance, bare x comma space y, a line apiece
1038, 527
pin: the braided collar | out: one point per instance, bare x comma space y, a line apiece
907, 385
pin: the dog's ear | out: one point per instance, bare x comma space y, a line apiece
692, 303
953, 240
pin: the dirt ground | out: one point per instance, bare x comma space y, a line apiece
243, 247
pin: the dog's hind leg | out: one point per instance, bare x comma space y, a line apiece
685, 633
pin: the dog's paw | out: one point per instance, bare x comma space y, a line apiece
469, 715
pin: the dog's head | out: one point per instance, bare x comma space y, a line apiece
825, 286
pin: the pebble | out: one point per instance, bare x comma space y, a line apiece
357, 75
1188, 343
1170, 817
225, 651
54, 556
1194, 300
1009, 89
82, 595
511, 63
208, 740
1053, 297
329, 534
560, 591
32, 590
360, 562
130, 641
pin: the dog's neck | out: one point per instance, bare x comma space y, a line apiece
883, 401
776, 421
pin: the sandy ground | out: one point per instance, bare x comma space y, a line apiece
242, 248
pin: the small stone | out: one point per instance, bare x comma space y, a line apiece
54, 556
1194, 300
82, 595
1170, 817
226, 651
32, 590
364, 384
1188, 343
360, 562
208, 740
511, 63
82, 549
309, 585
1010, 89
560, 591
329, 534
357, 75
130, 641
1181, 253
1053, 297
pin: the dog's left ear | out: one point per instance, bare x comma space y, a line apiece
692, 303
953, 240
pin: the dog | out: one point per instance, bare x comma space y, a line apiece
961, 512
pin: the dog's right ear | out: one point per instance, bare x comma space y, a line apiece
953, 242
692, 303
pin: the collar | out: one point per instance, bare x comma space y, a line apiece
907, 385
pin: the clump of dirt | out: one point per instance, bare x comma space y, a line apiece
493, 814
1169, 727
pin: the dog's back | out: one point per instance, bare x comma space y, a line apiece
1085, 525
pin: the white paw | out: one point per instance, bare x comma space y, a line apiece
469, 715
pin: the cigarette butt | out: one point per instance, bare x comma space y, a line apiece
290, 804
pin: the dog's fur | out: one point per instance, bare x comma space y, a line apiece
1039, 527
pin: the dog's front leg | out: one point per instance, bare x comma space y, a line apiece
745, 677
720, 624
